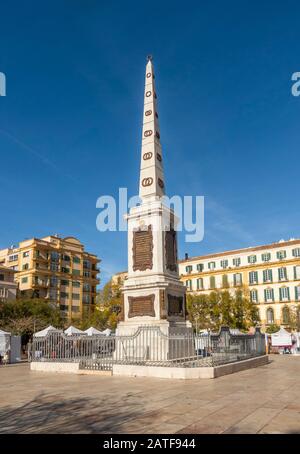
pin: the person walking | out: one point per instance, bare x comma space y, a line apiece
29, 351
6, 357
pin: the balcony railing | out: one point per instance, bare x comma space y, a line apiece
40, 283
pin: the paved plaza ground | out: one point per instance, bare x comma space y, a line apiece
261, 400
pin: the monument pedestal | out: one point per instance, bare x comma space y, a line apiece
158, 342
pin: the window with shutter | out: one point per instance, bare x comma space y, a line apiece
212, 282
267, 275
296, 252
269, 294
270, 316
225, 280
266, 257
199, 283
253, 277
253, 296
285, 315
281, 255
237, 278
284, 293
282, 274
188, 283
236, 261
296, 272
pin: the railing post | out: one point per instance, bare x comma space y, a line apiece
225, 338
258, 338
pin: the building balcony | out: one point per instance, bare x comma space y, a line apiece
40, 283
40, 258
41, 268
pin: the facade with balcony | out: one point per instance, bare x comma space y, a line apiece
8, 286
58, 269
270, 272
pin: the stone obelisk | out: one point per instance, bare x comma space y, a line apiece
152, 293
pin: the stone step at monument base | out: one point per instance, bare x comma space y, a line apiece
187, 373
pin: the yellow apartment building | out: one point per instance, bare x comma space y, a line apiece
271, 272
58, 269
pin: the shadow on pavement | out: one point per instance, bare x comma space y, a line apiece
51, 414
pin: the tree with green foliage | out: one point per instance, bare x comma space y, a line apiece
25, 316
107, 309
273, 328
293, 317
222, 308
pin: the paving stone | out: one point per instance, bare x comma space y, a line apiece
254, 422
261, 400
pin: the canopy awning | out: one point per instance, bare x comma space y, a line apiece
281, 339
45, 331
93, 332
72, 330
106, 332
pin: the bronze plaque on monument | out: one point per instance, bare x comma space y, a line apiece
171, 250
140, 306
175, 305
142, 249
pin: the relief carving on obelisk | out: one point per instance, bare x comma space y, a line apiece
142, 249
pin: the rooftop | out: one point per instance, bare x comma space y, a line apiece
281, 243
48, 240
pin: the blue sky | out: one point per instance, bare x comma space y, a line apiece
70, 125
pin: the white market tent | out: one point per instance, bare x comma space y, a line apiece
45, 331
106, 332
281, 339
10, 345
72, 330
4, 341
93, 332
